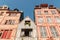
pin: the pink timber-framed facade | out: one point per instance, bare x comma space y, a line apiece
9, 20
47, 20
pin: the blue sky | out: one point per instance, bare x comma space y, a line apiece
28, 5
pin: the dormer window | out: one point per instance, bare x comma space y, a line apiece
27, 22
57, 19
5, 7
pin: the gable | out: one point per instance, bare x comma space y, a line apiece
27, 23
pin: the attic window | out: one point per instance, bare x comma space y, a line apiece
5, 7
12, 14
27, 22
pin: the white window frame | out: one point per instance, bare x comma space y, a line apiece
57, 19
49, 20
40, 20
43, 31
39, 12
53, 31
46, 12
53, 12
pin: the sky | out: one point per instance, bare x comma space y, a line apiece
27, 6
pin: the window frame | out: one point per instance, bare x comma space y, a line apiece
49, 19
12, 14
39, 13
53, 31
57, 19
46, 12
53, 11
11, 22
43, 31
40, 19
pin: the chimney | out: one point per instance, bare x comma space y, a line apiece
44, 5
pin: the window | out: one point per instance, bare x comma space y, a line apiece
39, 13
5, 33
10, 22
43, 31
53, 12
27, 22
49, 20
54, 31
26, 32
5, 7
12, 14
57, 19
46, 12
40, 20
9, 32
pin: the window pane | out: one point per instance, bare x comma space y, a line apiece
57, 19
43, 31
12, 22
46, 12
39, 12
54, 31
27, 22
53, 12
40, 20
4, 33
12, 14
49, 20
